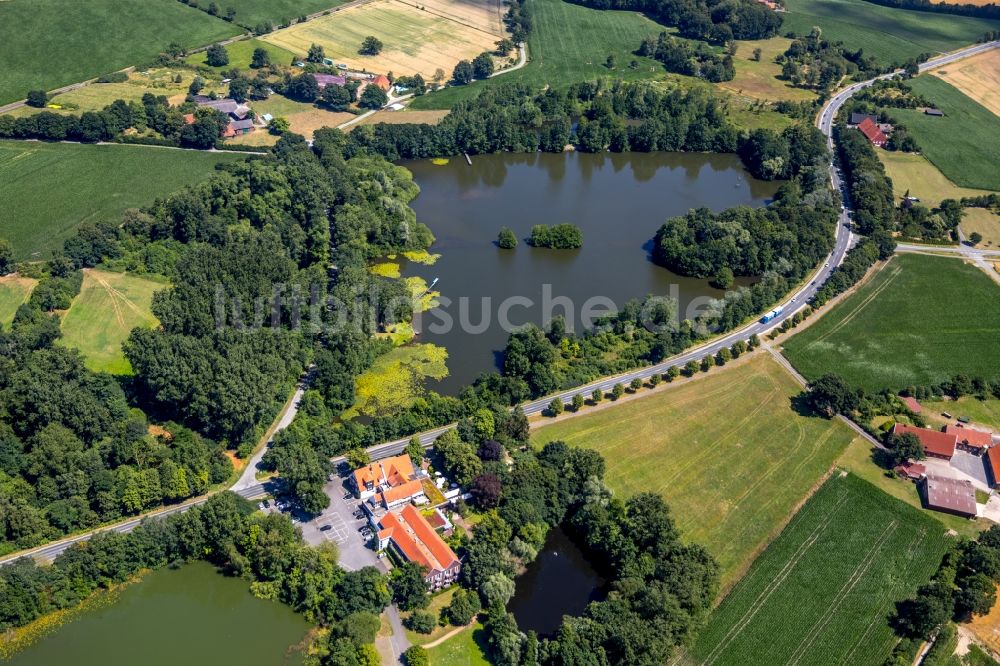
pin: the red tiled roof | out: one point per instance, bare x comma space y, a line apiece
970, 437
872, 131
382, 81
401, 492
189, 118
993, 459
935, 442
912, 404
955, 495
416, 539
911, 470
397, 471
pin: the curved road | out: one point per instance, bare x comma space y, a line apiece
841, 244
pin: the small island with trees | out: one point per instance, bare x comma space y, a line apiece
563, 236
506, 240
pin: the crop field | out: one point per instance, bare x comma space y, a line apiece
14, 291
275, 12
241, 53
820, 594
921, 320
758, 79
48, 189
726, 451
103, 315
978, 77
416, 38
568, 44
889, 34
913, 173
51, 43
965, 143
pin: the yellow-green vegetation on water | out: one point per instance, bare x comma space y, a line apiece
439, 161
425, 299
422, 257
396, 379
400, 334
386, 269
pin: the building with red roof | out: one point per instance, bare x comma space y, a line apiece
993, 465
936, 444
872, 132
390, 482
413, 539
970, 439
911, 470
382, 81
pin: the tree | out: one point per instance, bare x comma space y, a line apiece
315, 54
463, 607
358, 458
597, 395
216, 56
497, 590
904, 447
707, 363
370, 46
6, 257
655, 380
37, 98
610, 61
577, 402
975, 238
617, 391
409, 587
279, 125
463, 73
490, 451
505, 46
421, 622
415, 450
416, 656
724, 356
556, 407
303, 88
261, 58
487, 489
506, 239
197, 83
830, 395
439, 75
635, 384
724, 279
373, 98
976, 596
239, 89
756, 54
338, 98
482, 66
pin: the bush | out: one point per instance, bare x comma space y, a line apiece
421, 621
416, 656
506, 239
558, 236
464, 606
37, 99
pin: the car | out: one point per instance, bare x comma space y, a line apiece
363, 528
326, 528
826, 264
348, 496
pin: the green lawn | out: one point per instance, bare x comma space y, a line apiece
569, 43
103, 315
241, 53
438, 602
52, 43
982, 412
275, 12
14, 291
965, 143
821, 593
726, 451
467, 648
889, 34
48, 189
921, 320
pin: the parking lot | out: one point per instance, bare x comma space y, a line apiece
343, 527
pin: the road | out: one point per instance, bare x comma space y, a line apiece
842, 243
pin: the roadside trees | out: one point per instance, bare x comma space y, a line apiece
37, 99
556, 407
415, 450
975, 238
617, 391
463, 73
577, 402
635, 384
597, 396
6, 257
482, 66
358, 458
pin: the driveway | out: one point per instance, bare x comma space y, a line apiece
971, 465
354, 552
938, 467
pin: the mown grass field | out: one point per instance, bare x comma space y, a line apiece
920, 320
14, 291
757, 79
889, 34
822, 591
101, 317
241, 53
913, 173
48, 189
726, 451
467, 648
983, 222
965, 143
52, 43
439, 601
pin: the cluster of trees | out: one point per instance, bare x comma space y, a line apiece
988, 11
305, 88
481, 67
893, 93
518, 21
707, 20
226, 531
689, 58
814, 62
563, 236
152, 113
964, 585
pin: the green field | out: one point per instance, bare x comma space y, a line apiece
889, 34
276, 12
822, 591
52, 43
48, 189
965, 143
921, 320
726, 451
467, 648
101, 317
569, 43
241, 53
14, 291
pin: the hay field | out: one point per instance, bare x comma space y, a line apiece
431, 117
978, 77
14, 291
759, 79
914, 173
417, 39
984, 222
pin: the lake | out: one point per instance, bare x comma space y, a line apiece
618, 200
559, 582
192, 615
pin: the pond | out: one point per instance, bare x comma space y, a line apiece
618, 201
559, 582
192, 615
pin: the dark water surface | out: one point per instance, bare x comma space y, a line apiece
618, 200
559, 582
192, 615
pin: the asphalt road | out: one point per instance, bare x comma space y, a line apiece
793, 304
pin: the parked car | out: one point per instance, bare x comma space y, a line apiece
348, 496
326, 528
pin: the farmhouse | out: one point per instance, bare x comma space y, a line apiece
413, 539
389, 483
993, 466
237, 127
937, 444
948, 495
324, 80
382, 81
230, 107
873, 132
858, 118
911, 471
969, 439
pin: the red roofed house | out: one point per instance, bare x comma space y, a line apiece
993, 465
390, 482
872, 131
382, 81
937, 444
911, 470
976, 441
912, 404
415, 540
